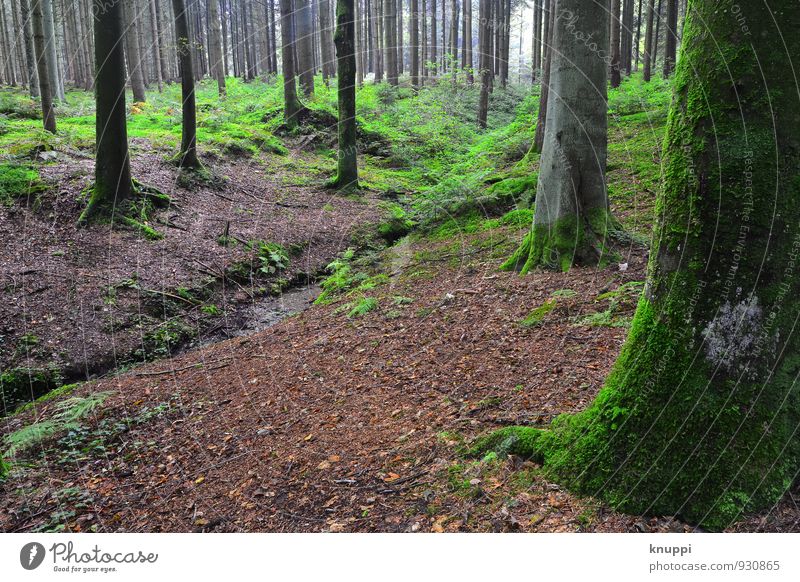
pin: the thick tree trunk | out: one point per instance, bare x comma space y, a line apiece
344, 39
45, 91
454, 34
215, 46
291, 104
187, 158
112, 173
572, 220
699, 416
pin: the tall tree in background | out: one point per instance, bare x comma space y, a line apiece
291, 104
485, 59
467, 42
133, 52
30, 53
390, 30
615, 41
414, 34
648, 42
56, 82
43, 71
112, 172
215, 46
305, 47
572, 219
671, 50
326, 42
187, 158
699, 415
541, 116
344, 39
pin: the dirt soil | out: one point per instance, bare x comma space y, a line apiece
324, 423
84, 301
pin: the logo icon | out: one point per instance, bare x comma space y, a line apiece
31, 555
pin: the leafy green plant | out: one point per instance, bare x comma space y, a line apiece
66, 416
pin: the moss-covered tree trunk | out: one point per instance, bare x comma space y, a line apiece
344, 39
700, 416
572, 219
187, 158
291, 104
112, 172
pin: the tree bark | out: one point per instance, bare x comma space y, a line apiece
132, 51
56, 81
615, 41
572, 220
485, 58
187, 158
344, 39
414, 32
291, 104
541, 116
325, 40
30, 53
699, 415
215, 46
390, 30
648, 42
671, 50
305, 48
45, 91
112, 173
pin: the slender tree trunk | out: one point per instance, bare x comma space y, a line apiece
615, 40
56, 82
541, 121
215, 46
699, 416
672, 38
30, 53
45, 91
414, 29
390, 30
132, 52
434, 56
291, 104
485, 59
188, 154
325, 41
454, 34
572, 218
648, 42
344, 38
657, 35
468, 41
638, 36
112, 174
305, 49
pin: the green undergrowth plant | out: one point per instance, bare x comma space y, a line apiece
67, 415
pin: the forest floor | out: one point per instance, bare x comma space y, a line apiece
353, 414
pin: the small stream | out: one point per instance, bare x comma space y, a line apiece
258, 315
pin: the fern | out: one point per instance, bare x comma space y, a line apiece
65, 418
